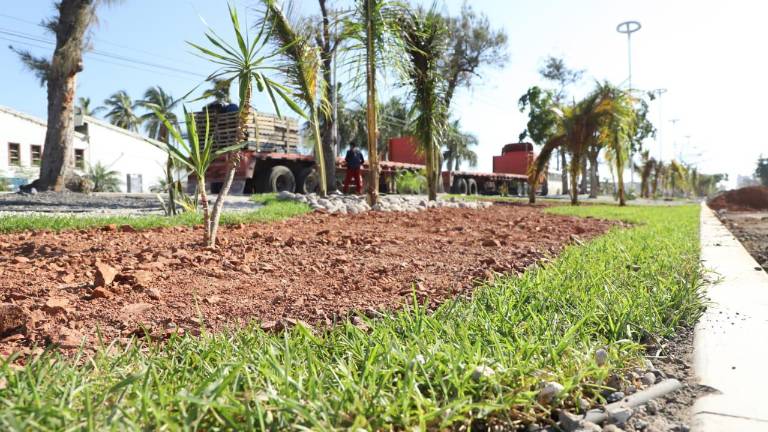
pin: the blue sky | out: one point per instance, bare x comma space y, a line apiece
707, 54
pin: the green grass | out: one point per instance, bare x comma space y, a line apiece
414, 369
273, 210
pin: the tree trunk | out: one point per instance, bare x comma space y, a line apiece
564, 172
371, 121
430, 161
206, 212
320, 159
622, 198
575, 180
594, 184
329, 130
73, 21
584, 174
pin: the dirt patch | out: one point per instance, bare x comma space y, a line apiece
744, 199
317, 268
751, 228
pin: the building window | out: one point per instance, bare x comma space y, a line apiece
14, 154
36, 152
80, 159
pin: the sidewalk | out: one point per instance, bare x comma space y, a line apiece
731, 339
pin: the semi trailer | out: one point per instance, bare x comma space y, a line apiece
270, 161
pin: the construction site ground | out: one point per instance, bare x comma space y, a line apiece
318, 268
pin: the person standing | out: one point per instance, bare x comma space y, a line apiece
355, 161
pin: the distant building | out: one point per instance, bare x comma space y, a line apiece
139, 163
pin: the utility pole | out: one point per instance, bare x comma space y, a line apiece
629, 27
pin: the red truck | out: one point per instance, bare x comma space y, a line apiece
271, 162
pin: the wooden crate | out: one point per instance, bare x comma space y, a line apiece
265, 132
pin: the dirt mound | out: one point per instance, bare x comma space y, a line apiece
744, 199
111, 284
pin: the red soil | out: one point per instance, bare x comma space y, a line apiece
318, 268
744, 199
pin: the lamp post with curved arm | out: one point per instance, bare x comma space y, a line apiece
629, 27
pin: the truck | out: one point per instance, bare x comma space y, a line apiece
270, 161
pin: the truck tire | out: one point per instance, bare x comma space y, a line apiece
281, 179
459, 186
471, 187
309, 181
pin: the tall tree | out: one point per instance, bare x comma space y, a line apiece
122, 111
219, 91
245, 63
373, 26
424, 36
84, 104
472, 45
69, 26
300, 66
157, 100
458, 147
556, 71
761, 171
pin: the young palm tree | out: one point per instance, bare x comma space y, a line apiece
59, 73
245, 63
618, 130
122, 111
104, 179
157, 100
301, 69
84, 104
645, 170
423, 34
373, 25
458, 149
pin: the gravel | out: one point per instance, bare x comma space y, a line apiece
354, 204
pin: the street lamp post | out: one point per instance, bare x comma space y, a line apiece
629, 27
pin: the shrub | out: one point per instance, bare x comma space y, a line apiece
411, 182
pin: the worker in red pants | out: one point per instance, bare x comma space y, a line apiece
354, 160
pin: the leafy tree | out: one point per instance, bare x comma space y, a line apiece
300, 67
84, 104
122, 111
157, 100
761, 171
69, 26
424, 35
472, 45
373, 26
556, 71
247, 64
645, 170
104, 179
617, 131
542, 114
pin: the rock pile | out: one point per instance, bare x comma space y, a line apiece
353, 204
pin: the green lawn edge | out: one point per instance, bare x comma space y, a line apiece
413, 369
273, 210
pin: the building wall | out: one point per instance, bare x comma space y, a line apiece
115, 148
126, 153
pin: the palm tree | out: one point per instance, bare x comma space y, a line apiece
424, 36
458, 149
219, 91
59, 73
122, 111
373, 25
605, 114
84, 104
246, 64
157, 100
104, 179
301, 69
645, 170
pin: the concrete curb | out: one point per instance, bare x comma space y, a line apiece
731, 339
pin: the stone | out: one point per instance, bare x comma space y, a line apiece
481, 372
13, 320
601, 357
153, 293
213, 299
132, 310
491, 243
548, 392
67, 338
588, 426
652, 407
359, 323
272, 326
105, 274
100, 292
286, 195
648, 379
56, 305
612, 428
569, 422
615, 397
20, 260
619, 415
141, 278
127, 228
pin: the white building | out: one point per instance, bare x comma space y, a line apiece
139, 163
